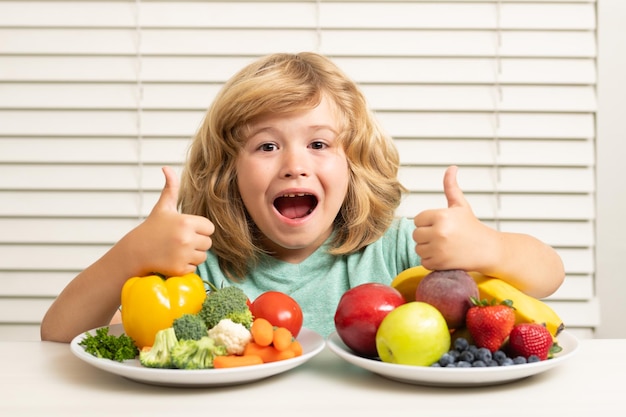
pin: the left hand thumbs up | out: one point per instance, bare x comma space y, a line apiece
454, 194
446, 238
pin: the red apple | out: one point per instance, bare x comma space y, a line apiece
450, 292
359, 313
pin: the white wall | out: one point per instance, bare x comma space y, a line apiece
611, 153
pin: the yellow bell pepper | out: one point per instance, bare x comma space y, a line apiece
151, 303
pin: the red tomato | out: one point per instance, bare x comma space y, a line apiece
279, 309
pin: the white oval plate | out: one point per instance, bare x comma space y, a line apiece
312, 344
454, 377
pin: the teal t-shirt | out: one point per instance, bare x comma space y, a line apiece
318, 282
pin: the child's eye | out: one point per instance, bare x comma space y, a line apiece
318, 145
268, 147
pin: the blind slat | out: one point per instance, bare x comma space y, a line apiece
77, 257
487, 152
64, 230
128, 177
488, 125
575, 15
539, 71
514, 207
505, 179
50, 283
399, 125
470, 70
92, 150
412, 152
381, 97
124, 204
472, 15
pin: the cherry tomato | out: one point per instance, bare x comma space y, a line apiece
279, 309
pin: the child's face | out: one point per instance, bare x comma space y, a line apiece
293, 178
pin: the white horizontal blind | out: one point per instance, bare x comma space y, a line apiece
96, 96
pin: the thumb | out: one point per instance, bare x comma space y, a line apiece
168, 200
451, 188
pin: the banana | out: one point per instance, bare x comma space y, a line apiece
407, 281
527, 309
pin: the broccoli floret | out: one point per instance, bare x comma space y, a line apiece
196, 354
226, 303
189, 326
159, 355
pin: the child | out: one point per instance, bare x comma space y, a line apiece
291, 185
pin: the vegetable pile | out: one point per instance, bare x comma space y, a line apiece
220, 332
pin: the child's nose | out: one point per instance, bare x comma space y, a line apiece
294, 164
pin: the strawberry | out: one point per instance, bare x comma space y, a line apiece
489, 324
527, 339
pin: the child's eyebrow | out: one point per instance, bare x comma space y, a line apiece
323, 127
253, 131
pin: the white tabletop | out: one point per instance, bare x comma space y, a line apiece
43, 378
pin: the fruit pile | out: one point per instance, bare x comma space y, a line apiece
447, 319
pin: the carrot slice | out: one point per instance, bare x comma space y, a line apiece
233, 361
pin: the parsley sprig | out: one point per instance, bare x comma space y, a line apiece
107, 346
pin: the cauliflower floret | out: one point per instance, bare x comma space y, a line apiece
234, 336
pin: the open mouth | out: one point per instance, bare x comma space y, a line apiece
295, 206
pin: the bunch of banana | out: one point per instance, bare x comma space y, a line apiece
527, 309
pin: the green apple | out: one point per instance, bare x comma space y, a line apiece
415, 333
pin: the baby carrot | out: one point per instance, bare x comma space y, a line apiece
262, 331
233, 361
296, 347
267, 353
285, 354
282, 338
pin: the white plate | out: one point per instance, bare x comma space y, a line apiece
454, 377
312, 344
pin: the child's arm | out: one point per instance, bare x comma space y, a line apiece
453, 238
166, 242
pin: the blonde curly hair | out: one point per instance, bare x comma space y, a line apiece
278, 84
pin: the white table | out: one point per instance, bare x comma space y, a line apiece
44, 378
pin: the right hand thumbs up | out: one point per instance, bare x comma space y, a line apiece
173, 243
168, 201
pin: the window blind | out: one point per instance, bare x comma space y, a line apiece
96, 96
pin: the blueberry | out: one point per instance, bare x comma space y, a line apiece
467, 356
473, 349
506, 362
479, 364
493, 362
435, 365
518, 360
455, 354
484, 355
445, 359
463, 364
461, 344
533, 358
499, 356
